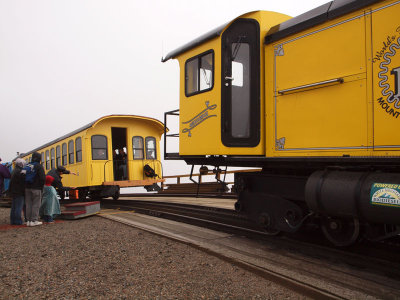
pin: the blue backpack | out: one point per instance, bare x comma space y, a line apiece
30, 172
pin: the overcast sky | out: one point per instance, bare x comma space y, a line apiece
66, 63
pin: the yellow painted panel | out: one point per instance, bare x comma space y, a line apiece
103, 170
95, 172
205, 137
323, 118
386, 69
330, 53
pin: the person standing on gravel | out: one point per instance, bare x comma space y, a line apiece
34, 183
16, 191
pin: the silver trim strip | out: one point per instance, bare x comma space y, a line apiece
339, 80
336, 148
365, 13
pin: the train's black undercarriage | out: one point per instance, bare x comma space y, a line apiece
334, 193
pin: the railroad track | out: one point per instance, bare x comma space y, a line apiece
377, 276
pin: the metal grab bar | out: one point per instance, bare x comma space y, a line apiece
339, 80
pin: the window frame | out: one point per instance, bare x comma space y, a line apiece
133, 148
42, 159
198, 58
52, 158
47, 159
71, 154
106, 146
64, 155
148, 138
58, 156
78, 150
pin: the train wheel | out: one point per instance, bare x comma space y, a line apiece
267, 224
116, 194
341, 232
82, 194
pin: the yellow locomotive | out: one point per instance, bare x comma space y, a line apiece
315, 101
94, 152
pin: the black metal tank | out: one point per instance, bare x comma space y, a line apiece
371, 196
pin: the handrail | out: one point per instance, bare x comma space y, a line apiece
169, 113
144, 161
339, 80
178, 177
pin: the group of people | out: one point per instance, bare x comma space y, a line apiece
34, 193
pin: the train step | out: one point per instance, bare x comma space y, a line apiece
80, 209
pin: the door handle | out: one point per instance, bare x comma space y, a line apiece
229, 78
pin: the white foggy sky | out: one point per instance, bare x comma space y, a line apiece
64, 64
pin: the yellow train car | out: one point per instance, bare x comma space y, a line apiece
313, 100
107, 154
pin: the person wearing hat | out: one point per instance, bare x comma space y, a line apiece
57, 183
50, 205
16, 191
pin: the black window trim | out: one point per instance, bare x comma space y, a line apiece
91, 140
143, 148
255, 107
198, 57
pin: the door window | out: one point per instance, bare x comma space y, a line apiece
240, 91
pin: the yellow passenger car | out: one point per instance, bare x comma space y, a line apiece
107, 154
302, 98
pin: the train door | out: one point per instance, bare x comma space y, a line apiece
120, 158
240, 84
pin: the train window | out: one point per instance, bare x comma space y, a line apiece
47, 160
52, 158
138, 147
71, 151
78, 149
99, 147
58, 156
199, 73
64, 154
42, 159
151, 150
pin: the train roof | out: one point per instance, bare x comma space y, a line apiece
316, 16
200, 40
325, 12
91, 124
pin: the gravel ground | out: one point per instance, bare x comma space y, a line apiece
96, 258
